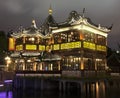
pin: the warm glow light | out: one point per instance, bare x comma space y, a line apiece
31, 47
48, 48
32, 39
7, 58
101, 48
56, 47
42, 47
60, 30
89, 45
71, 45
82, 67
11, 43
98, 59
85, 27
82, 27
28, 60
19, 47
8, 61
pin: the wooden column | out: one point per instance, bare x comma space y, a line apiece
40, 66
82, 61
59, 65
23, 39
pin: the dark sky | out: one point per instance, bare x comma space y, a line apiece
14, 13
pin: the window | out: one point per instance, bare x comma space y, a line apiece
73, 36
31, 40
101, 40
19, 41
88, 36
71, 63
89, 64
63, 37
100, 64
57, 38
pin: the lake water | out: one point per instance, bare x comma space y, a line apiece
92, 90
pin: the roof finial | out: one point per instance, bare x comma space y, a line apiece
99, 26
50, 10
111, 27
83, 11
34, 24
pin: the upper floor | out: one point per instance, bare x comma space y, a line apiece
76, 32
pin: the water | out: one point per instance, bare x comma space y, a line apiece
91, 90
6, 95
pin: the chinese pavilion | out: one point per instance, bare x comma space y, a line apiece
74, 46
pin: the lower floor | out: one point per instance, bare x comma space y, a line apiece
78, 63
69, 63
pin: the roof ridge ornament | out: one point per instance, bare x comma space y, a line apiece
34, 23
83, 15
99, 26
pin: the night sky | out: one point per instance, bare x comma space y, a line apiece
14, 13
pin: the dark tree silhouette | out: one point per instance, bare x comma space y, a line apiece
3, 46
109, 52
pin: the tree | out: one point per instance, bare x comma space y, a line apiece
3, 46
109, 52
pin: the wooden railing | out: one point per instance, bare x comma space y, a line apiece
38, 72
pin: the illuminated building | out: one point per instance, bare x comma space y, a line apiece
75, 45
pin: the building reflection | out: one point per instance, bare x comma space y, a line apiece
98, 89
91, 90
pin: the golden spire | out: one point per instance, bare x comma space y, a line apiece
50, 10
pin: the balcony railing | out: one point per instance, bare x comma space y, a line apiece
38, 73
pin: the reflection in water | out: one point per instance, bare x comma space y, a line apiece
6, 94
97, 89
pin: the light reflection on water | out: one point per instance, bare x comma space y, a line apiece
6, 94
92, 90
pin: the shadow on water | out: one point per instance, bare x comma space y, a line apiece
45, 94
91, 90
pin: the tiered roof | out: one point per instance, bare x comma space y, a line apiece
51, 26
